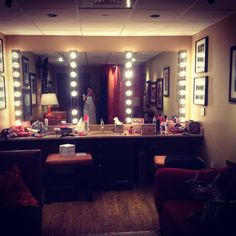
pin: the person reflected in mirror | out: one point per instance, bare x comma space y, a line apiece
89, 105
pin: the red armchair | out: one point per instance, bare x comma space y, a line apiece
175, 203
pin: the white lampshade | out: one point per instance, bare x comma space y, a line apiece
49, 99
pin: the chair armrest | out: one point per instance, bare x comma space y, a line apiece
170, 183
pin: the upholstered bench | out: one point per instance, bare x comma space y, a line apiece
82, 163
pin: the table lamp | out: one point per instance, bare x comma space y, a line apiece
49, 99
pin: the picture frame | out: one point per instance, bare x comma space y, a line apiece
25, 71
2, 92
153, 92
1, 57
26, 102
232, 75
200, 91
33, 88
201, 55
147, 96
159, 94
166, 81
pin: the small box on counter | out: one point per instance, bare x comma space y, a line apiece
148, 129
119, 128
67, 149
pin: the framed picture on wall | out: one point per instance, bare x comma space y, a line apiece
26, 101
159, 94
147, 96
153, 93
200, 90
1, 57
166, 80
201, 55
25, 71
232, 75
33, 87
2, 92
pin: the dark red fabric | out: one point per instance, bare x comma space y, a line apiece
13, 191
174, 218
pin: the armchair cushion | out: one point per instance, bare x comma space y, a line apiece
13, 191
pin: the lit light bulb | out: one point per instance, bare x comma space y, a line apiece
128, 102
16, 74
128, 55
73, 84
73, 64
74, 121
128, 64
17, 84
74, 112
17, 103
128, 83
17, 94
128, 111
18, 122
72, 55
128, 74
128, 93
16, 65
18, 112
128, 120
15, 55
74, 93
60, 59
73, 74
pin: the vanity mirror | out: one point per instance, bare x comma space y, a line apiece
103, 71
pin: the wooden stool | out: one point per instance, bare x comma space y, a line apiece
83, 164
159, 161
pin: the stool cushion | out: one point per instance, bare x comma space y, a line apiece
57, 159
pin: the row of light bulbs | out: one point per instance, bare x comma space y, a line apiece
17, 86
182, 72
128, 86
74, 86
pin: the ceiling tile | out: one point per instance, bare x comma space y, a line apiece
62, 32
52, 25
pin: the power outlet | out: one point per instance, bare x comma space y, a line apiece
203, 111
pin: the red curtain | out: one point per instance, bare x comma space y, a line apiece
115, 93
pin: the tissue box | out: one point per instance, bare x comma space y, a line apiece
119, 128
67, 149
148, 129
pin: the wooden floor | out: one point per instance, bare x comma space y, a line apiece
110, 212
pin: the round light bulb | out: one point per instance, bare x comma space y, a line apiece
74, 112
72, 55
60, 59
16, 65
128, 102
128, 83
18, 122
17, 94
128, 111
16, 74
74, 93
128, 120
15, 55
17, 84
17, 103
128, 55
73, 64
128, 64
74, 121
128, 93
73, 74
73, 84
18, 112
128, 74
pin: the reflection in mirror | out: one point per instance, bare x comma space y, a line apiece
104, 72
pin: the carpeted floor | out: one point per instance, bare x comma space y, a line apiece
110, 212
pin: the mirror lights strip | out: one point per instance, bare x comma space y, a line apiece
128, 86
74, 86
181, 84
17, 86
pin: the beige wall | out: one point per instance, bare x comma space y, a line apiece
219, 121
154, 70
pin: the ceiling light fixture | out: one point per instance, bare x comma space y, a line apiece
155, 16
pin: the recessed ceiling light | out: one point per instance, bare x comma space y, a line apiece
52, 15
105, 15
154, 16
